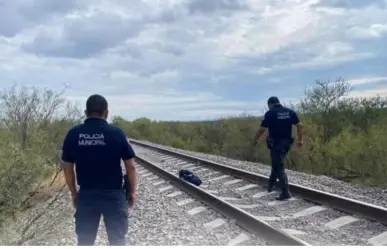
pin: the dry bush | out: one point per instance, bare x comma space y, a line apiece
32, 126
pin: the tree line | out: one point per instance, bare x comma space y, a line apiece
344, 136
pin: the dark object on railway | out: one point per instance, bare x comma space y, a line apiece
190, 177
127, 187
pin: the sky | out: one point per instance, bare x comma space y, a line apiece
192, 59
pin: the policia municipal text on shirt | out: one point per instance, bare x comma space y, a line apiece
95, 150
279, 120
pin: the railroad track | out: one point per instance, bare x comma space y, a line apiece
169, 216
312, 217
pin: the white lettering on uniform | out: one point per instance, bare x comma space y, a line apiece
91, 140
283, 115
91, 136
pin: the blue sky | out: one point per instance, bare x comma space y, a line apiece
192, 59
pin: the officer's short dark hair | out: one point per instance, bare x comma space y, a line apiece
273, 101
96, 105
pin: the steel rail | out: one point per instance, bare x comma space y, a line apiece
247, 221
347, 205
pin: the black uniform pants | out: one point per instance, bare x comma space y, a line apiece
278, 151
112, 205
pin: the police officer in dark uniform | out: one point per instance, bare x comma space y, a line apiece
96, 149
279, 121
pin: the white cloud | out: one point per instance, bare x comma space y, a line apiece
372, 31
367, 80
171, 104
369, 93
322, 55
152, 58
274, 28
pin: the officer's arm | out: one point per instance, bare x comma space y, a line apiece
298, 124
67, 163
127, 155
262, 129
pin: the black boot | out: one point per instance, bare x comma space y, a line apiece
272, 181
284, 196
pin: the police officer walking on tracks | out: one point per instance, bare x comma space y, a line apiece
96, 149
279, 121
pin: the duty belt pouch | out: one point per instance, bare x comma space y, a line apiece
126, 187
269, 143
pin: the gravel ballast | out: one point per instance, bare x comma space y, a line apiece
308, 227
374, 196
180, 228
157, 220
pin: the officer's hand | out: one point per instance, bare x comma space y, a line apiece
300, 143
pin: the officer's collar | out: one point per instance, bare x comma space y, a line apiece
95, 120
278, 106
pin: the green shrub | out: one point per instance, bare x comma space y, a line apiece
344, 137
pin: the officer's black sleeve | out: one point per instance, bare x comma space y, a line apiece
295, 119
266, 120
69, 147
127, 151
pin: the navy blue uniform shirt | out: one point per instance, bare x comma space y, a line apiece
97, 148
279, 121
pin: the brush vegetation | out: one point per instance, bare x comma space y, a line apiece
345, 137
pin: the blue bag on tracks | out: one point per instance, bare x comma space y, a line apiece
190, 177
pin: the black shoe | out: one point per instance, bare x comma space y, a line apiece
269, 190
284, 197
